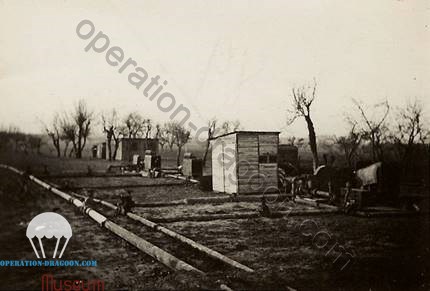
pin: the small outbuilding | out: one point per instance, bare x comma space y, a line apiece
151, 160
245, 162
94, 151
128, 147
101, 150
192, 166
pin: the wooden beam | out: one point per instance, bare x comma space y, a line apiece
182, 178
211, 253
162, 256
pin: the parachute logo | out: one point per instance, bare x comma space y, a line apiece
49, 224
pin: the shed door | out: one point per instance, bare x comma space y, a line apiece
218, 167
224, 176
229, 164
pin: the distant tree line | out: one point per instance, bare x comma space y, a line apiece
69, 131
72, 129
12, 138
369, 128
134, 125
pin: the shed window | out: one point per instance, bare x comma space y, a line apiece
267, 158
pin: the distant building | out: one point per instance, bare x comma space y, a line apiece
135, 146
94, 151
245, 162
192, 166
101, 151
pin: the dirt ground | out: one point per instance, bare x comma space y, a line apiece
329, 252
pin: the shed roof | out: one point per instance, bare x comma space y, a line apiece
245, 131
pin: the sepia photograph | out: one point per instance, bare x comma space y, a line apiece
214, 145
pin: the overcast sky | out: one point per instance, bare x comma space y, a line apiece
229, 59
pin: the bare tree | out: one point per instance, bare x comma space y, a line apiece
350, 145
291, 140
294, 141
303, 97
229, 126
211, 133
226, 127
112, 129
162, 137
147, 128
54, 133
157, 131
68, 134
182, 136
373, 126
169, 133
133, 125
82, 118
409, 130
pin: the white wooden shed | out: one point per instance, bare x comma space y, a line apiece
245, 162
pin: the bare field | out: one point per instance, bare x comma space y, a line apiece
55, 165
158, 193
329, 252
210, 209
106, 182
387, 253
120, 265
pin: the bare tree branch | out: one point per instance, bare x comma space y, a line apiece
303, 97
